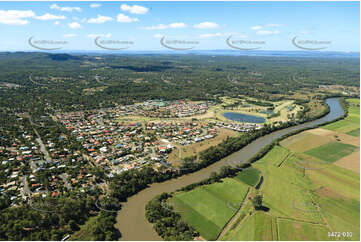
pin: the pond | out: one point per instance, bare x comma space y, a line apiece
241, 117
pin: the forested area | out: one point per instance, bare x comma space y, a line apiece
62, 82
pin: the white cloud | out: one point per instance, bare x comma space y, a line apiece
267, 32
210, 35
70, 35
92, 36
258, 27
99, 20
206, 25
158, 36
74, 25
177, 25
15, 17
126, 19
49, 16
65, 9
56, 22
95, 5
135, 9
274, 25
163, 26
159, 26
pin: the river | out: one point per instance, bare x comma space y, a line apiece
131, 220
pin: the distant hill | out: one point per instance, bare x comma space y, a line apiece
63, 57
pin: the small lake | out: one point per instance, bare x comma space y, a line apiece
241, 117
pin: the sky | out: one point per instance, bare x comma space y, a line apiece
177, 26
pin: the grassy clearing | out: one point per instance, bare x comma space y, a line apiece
336, 181
353, 100
283, 186
292, 230
355, 132
86, 231
250, 176
208, 208
343, 215
351, 122
332, 152
301, 142
342, 126
255, 227
190, 150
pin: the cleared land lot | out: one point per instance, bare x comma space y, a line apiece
182, 152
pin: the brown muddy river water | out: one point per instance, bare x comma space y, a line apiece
131, 220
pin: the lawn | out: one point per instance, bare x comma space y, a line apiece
332, 151
208, 208
250, 176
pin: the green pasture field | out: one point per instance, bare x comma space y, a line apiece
293, 230
285, 186
250, 176
332, 151
355, 132
208, 208
333, 189
351, 122
255, 227
301, 142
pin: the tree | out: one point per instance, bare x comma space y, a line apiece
257, 202
73, 226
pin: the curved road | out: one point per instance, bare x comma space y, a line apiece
131, 220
